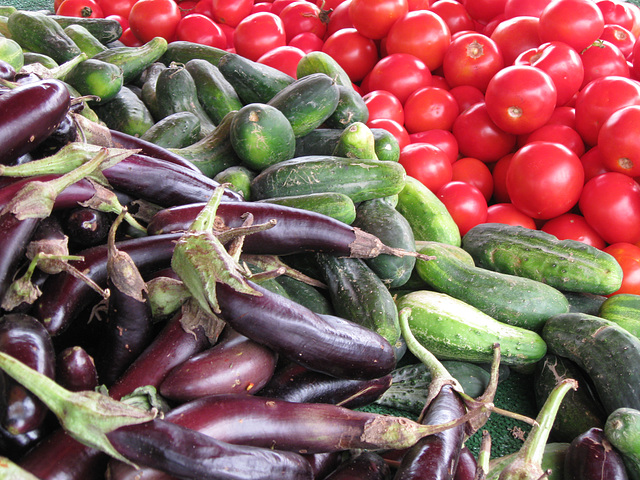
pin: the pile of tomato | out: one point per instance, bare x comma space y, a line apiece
511, 111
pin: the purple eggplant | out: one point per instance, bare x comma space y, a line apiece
467, 465
365, 466
87, 227
590, 456
76, 370
7, 72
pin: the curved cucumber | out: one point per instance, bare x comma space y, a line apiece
332, 204
623, 309
622, 429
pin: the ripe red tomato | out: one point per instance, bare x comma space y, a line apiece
592, 163
557, 133
197, 28
610, 203
231, 12
129, 39
258, 33
114, 7
520, 98
516, 35
427, 164
620, 37
443, 139
454, 15
499, 171
577, 23
80, 8
465, 203
532, 8
373, 18
307, 42
466, 96
615, 13
302, 16
354, 52
572, 226
471, 59
393, 127
473, 171
510, 215
399, 73
154, 18
484, 10
284, 58
618, 141
544, 179
564, 115
384, 104
339, 18
124, 22
429, 108
602, 59
628, 256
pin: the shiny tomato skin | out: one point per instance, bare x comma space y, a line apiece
571, 226
154, 18
603, 59
384, 104
618, 141
620, 37
129, 39
508, 214
454, 15
465, 203
115, 7
197, 28
80, 8
284, 58
474, 172
399, 73
354, 52
516, 35
466, 96
307, 42
339, 18
615, 12
471, 59
484, 11
499, 171
258, 33
558, 133
426, 163
547, 164
429, 108
393, 127
592, 163
302, 16
533, 8
577, 23
628, 256
374, 18
443, 139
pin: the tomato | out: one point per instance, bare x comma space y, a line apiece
384, 104
635, 54
329, 4
465, 203
516, 35
615, 12
564, 115
419, 4
592, 163
610, 203
443, 139
620, 37
530, 8
618, 141
399, 73
258, 33
124, 22
479, 137
599, 99
284, 58
80, 8
114, 7
129, 39
339, 18
307, 42
471, 59
278, 5
474, 172
558, 133
373, 18
428, 108
628, 256
197, 28
154, 18
466, 96
510, 215
393, 127
204, 7
571, 226
261, 7
354, 52
484, 10
427, 164
499, 172
602, 59
544, 179
231, 12
454, 15
578, 23
302, 16
186, 7
520, 99
561, 62
421, 33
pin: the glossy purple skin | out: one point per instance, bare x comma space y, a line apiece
590, 456
467, 465
76, 370
366, 466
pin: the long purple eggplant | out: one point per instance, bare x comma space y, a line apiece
467, 465
590, 456
365, 466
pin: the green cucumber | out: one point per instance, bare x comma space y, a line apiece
182, 52
239, 178
148, 88
356, 141
307, 102
584, 302
606, 352
215, 93
306, 295
12, 53
622, 429
134, 60
126, 113
359, 179
454, 330
508, 298
319, 141
386, 145
427, 215
333, 204
95, 77
568, 265
321, 62
106, 30
44, 60
40, 33
177, 130
623, 309
84, 39
6, 10
351, 108
379, 218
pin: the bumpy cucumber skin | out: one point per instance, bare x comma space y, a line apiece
607, 353
568, 265
333, 204
351, 108
106, 30
622, 429
321, 62
454, 330
95, 77
623, 309
510, 299
181, 51
126, 113
427, 215
134, 60
177, 130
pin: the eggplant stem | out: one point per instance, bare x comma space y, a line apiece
273, 261
366, 245
484, 456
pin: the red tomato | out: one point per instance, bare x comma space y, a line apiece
620, 37
231, 12
261, 7
384, 104
429, 108
154, 18
592, 163
278, 5
197, 28
564, 115
258, 33
465, 203
577, 23
499, 173
124, 22
129, 39
427, 164
516, 35
479, 137
599, 99
285, 59
474, 172
339, 18
544, 179
466, 96
628, 256
204, 7
307, 42
454, 15
302, 16
393, 127
471, 59
419, 4
510, 215
187, 6
610, 203
355, 53
329, 4
618, 141
484, 10
602, 59
80, 8
557, 133
635, 54
443, 139
399, 73
561, 62
615, 12
532, 8
421, 33
115, 7
520, 98
373, 18
571, 226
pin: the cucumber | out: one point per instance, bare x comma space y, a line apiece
177, 130
379, 218
95, 77
359, 179
44, 60
356, 141
134, 60
386, 145
508, 298
622, 429
568, 265
215, 93
333, 204
429, 218
623, 309
148, 88
607, 353
40, 33
307, 102
321, 62
306, 295
182, 52
584, 302
454, 330
11, 52
239, 178
84, 39
320, 141
126, 113
106, 30
351, 108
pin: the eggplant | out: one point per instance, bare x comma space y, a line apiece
365, 466
467, 465
590, 456
76, 369
7, 72
87, 227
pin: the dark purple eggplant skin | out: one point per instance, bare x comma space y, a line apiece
590, 456
187, 453
467, 465
323, 343
435, 457
297, 230
24, 338
366, 466
295, 383
235, 364
87, 227
65, 132
65, 296
76, 369
7, 72
29, 114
